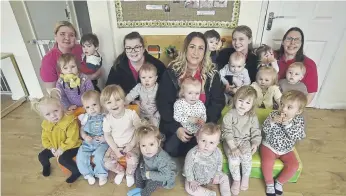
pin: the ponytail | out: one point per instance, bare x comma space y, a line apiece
53, 97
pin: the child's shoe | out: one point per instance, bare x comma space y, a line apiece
46, 171
102, 181
130, 180
91, 179
278, 188
118, 178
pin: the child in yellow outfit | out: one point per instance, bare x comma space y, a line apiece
60, 135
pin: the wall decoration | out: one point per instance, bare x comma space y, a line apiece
181, 13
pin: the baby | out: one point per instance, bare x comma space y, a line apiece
266, 55
294, 74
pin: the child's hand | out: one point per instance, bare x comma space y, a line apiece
276, 119
285, 121
118, 153
235, 152
128, 148
100, 139
193, 119
193, 185
72, 108
53, 151
88, 138
58, 152
200, 122
253, 148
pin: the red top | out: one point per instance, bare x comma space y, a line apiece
202, 96
49, 71
133, 70
310, 79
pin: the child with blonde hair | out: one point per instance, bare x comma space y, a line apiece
267, 89
119, 130
234, 75
241, 136
94, 143
203, 164
282, 129
71, 83
146, 91
294, 74
60, 134
266, 57
156, 168
189, 111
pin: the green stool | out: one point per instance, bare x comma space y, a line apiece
256, 171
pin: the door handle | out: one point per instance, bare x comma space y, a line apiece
270, 20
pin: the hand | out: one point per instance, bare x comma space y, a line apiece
88, 138
276, 119
100, 139
200, 122
118, 153
253, 148
58, 152
192, 119
53, 151
234, 90
285, 121
193, 185
72, 108
128, 147
235, 152
147, 174
182, 135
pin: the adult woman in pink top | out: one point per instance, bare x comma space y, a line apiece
292, 51
65, 37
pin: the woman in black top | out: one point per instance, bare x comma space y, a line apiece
241, 42
125, 69
193, 61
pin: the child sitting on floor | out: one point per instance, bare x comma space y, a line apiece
282, 129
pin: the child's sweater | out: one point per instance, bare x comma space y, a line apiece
63, 134
266, 99
92, 63
201, 168
161, 168
286, 86
280, 138
239, 79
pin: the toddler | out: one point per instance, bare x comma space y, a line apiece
156, 168
267, 89
266, 57
294, 74
119, 129
241, 136
71, 83
189, 111
234, 75
60, 134
94, 143
214, 43
146, 91
203, 164
91, 57
282, 129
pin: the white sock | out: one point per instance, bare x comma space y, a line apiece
118, 178
270, 189
102, 181
278, 186
130, 180
91, 179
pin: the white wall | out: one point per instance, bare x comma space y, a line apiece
12, 42
103, 22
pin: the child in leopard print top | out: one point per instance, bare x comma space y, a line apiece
282, 129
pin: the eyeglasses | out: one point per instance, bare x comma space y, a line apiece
295, 39
136, 49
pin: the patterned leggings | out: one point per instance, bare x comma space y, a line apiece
111, 162
221, 179
234, 165
147, 186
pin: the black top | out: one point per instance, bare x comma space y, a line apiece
121, 73
167, 94
251, 61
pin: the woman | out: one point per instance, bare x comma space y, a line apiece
65, 37
125, 69
241, 42
193, 61
291, 51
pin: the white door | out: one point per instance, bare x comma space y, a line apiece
322, 22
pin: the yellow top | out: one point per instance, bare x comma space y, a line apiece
63, 134
273, 92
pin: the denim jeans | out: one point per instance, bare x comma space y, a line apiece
87, 150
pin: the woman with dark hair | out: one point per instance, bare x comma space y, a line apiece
125, 69
291, 51
193, 61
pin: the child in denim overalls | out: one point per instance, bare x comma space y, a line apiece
94, 143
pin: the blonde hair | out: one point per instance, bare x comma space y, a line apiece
269, 70
210, 129
243, 93
295, 96
60, 24
147, 67
64, 59
188, 81
179, 65
148, 130
90, 94
237, 56
111, 90
53, 97
299, 65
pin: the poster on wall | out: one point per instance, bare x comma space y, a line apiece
206, 4
191, 4
220, 3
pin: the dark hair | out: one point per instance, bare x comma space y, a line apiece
91, 38
130, 36
262, 49
211, 34
192, 35
246, 31
300, 53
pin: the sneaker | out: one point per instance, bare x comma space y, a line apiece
102, 181
91, 179
130, 180
118, 178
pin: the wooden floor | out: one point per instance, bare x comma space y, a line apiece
323, 154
